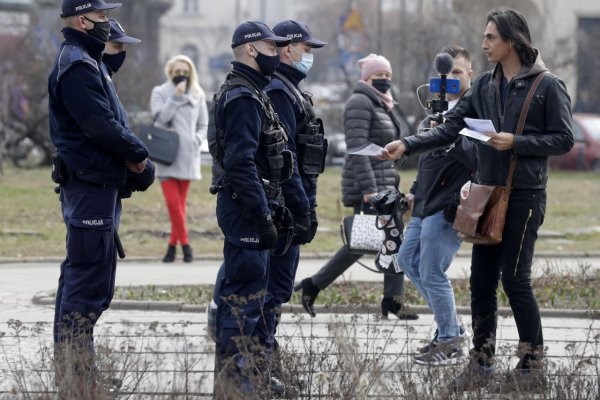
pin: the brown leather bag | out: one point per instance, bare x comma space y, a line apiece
481, 213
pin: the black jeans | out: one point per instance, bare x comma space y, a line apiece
510, 261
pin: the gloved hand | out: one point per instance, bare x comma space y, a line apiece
301, 228
267, 233
314, 223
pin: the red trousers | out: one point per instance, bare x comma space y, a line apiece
175, 192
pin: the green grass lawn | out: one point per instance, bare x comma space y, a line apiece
31, 223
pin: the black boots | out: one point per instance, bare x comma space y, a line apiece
389, 304
188, 254
170, 256
309, 294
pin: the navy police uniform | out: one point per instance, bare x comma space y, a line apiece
249, 191
296, 112
93, 145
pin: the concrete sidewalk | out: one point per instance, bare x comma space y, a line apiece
179, 354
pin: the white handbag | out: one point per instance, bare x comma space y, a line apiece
360, 234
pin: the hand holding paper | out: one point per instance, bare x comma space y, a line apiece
477, 129
371, 150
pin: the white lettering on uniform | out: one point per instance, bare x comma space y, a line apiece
252, 35
294, 35
93, 222
83, 7
250, 240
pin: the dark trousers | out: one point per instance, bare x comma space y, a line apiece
393, 285
87, 275
510, 261
282, 272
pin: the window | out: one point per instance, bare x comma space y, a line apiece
191, 6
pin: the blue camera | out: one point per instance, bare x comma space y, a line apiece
452, 85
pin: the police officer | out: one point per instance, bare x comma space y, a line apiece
112, 60
250, 149
306, 141
95, 151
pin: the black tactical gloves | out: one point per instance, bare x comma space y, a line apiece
267, 233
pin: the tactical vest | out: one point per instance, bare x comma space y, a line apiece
273, 161
311, 144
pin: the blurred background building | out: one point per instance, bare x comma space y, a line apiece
408, 32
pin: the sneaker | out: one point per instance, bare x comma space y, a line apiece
474, 376
211, 321
422, 350
430, 345
443, 352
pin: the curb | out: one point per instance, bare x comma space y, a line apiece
308, 256
44, 299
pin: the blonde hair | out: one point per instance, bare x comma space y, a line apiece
193, 82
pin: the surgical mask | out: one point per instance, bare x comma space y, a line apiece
114, 61
305, 63
383, 85
100, 31
266, 64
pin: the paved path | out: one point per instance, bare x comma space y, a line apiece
165, 352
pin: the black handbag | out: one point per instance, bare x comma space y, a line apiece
162, 143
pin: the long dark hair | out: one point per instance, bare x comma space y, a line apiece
512, 26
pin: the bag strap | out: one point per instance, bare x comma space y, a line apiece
521, 124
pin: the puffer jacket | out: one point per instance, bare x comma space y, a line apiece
548, 127
366, 120
187, 115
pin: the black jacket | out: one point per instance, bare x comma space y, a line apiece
366, 120
83, 126
547, 131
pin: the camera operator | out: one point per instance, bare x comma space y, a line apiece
430, 242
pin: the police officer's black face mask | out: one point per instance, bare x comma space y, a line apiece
114, 61
267, 64
100, 31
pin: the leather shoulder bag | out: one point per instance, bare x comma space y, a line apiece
482, 210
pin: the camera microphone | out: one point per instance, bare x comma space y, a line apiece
443, 63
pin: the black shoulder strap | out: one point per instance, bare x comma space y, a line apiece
297, 95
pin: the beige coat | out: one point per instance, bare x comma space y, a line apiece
187, 115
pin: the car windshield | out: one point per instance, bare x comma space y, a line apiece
592, 125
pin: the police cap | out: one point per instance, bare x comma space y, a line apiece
76, 7
252, 31
297, 31
117, 33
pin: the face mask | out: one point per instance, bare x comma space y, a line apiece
100, 31
177, 79
114, 61
383, 85
305, 64
266, 64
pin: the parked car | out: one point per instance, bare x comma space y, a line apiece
336, 148
585, 154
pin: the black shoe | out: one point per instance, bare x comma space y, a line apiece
170, 256
309, 294
188, 254
389, 304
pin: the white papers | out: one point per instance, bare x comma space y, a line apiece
474, 134
371, 150
477, 129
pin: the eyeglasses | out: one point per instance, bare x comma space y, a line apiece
181, 72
